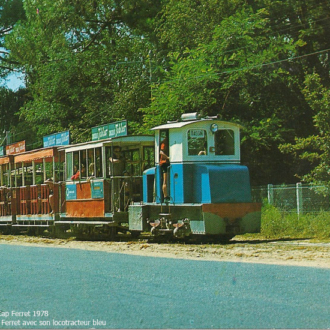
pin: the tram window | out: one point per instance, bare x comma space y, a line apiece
107, 159
109, 165
39, 173
28, 173
148, 157
197, 142
59, 167
49, 170
69, 165
132, 164
83, 163
98, 162
91, 163
5, 175
75, 162
224, 142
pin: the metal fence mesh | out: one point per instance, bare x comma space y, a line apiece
299, 198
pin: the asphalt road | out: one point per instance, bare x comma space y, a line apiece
65, 288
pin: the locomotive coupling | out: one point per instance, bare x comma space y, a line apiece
182, 229
165, 226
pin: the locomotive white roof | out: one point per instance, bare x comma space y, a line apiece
180, 124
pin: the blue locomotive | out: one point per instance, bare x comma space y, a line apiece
184, 181
209, 191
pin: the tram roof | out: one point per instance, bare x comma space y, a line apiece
116, 140
6, 159
32, 155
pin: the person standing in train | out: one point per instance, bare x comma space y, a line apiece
117, 162
164, 162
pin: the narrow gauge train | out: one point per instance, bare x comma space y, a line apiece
117, 185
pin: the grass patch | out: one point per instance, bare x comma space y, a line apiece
277, 224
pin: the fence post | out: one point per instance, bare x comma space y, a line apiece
270, 190
299, 198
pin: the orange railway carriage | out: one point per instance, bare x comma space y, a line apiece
30, 194
101, 183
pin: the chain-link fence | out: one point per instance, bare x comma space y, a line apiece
298, 198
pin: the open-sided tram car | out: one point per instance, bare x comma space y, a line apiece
97, 201
28, 198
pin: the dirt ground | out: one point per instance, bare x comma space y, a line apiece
308, 253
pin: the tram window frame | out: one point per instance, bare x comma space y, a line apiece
109, 151
28, 175
5, 175
98, 162
18, 175
75, 162
197, 146
225, 146
148, 161
69, 164
39, 172
91, 161
132, 163
49, 169
60, 167
83, 163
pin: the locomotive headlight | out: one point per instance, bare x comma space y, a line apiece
214, 128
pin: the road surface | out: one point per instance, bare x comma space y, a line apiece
68, 288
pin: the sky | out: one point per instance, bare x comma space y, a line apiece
14, 81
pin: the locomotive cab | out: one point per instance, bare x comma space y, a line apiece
203, 163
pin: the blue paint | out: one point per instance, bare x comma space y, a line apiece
202, 183
97, 189
57, 139
71, 191
148, 184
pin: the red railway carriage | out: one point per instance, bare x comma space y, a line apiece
29, 194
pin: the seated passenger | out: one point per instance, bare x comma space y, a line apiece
76, 174
91, 174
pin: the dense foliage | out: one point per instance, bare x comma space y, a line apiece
262, 63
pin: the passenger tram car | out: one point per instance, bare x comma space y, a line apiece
114, 183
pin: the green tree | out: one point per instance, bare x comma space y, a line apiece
11, 11
247, 64
85, 63
314, 150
